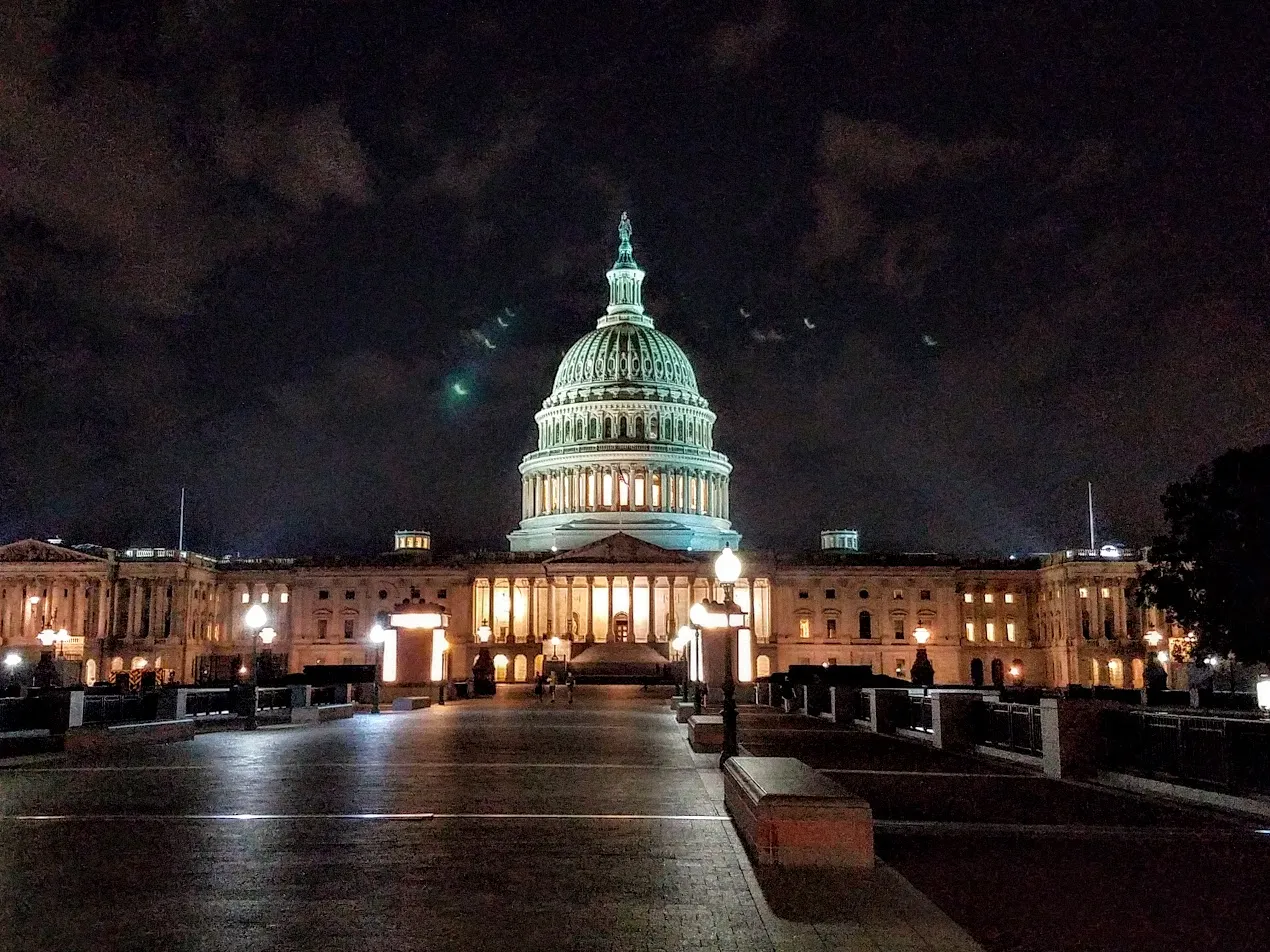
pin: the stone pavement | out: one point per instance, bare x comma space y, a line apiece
481, 824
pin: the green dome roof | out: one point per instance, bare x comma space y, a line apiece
625, 354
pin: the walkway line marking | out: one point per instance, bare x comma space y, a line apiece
928, 773
400, 817
224, 765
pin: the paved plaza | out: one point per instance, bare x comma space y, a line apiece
493, 824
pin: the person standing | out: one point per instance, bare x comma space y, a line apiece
569, 684
551, 687
538, 687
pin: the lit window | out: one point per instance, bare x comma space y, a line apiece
970, 631
264, 598
1106, 593
831, 628
990, 630
897, 594
1009, 631
246, 597
639, 491
804, 628
924, 595
899, 667
284, 597
987, 598
969, 597
1084, 592
608, 489
1009, 598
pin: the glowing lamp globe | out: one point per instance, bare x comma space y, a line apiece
255, 617
267, 635
921, 635
699, 614
727, 567
12, 660
1263, 693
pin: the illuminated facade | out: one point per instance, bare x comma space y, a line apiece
624, 503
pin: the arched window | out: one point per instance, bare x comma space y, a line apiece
500, 667
976, 672
652, 428
679, 430
608, 428
557, 431
1109, 628
520, 668
90, 671
866, 625
568, 430
763, 666
639, 428
998, 673
621, 428
592, 429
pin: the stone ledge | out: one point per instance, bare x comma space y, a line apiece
683, 712
127, 735
789, 815
322, 714
411, 703
705, 733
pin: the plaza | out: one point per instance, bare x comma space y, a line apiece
516, 822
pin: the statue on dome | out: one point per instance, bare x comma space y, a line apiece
624, 227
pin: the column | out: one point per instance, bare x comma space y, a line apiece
608, 634
533, 609
590, 608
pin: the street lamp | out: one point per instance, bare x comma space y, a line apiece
923, 671
377, 638
724, 616
254, 621
685, 638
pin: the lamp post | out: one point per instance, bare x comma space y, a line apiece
728, 617
684, 638
254, 621
923, 671
377, 636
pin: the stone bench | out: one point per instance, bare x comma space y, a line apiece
322, 713
684, 711
411, 703
128, 735
790, 815
705, 733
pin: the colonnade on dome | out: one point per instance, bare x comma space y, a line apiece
615, 487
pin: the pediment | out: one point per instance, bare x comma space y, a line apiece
618, 548
33, 550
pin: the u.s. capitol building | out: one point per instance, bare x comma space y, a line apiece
624, 503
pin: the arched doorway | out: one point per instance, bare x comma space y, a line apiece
976, 672
520, 668
1138, 673
1094, 672
621, 628
538, 659
500, 667
763, 666
998, 673
90, 671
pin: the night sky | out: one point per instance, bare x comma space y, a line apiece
936, 265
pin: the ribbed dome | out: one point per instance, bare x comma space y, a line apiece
625, 354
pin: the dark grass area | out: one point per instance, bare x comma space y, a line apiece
1044, 895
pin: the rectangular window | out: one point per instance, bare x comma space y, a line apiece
284, 597
804, 595
833, 660
897, 594
970, 631
899, 631
440, 593
968, 597
246, 597
804, 627
831, 593
1084, 592
322, 629
264, 598
623, 491
348, 629
608, 489
656, 492
925, 595
349, 594
990, 631
1009, 631
1106, 593
899, 667
831, 628
323, 594
1009, 598
987, 598
639, 491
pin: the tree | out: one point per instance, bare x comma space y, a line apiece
1211, 571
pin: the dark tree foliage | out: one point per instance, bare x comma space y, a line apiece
1211, 571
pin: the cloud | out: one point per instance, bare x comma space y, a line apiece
743, 44
465, 171
116, 171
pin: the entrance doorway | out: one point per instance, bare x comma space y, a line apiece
621, 628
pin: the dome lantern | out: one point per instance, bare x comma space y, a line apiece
626, 279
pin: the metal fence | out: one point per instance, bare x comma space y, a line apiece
860, 706
1015, 727
919, 713
20, 714
120, 708
204, 702
328, 694
273, 699
1232, 754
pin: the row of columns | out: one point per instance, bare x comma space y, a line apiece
83, 610
648, 489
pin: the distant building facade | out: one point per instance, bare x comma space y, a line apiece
624, 504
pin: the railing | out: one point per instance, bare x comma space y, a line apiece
273, 699
120, 708
1230, 753
204, 702
860, 706
1008, 726
20, 714
919, 713
328, 694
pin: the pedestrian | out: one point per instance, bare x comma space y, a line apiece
569, 683
551, 687
538, 687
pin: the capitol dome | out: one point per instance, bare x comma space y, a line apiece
625, 440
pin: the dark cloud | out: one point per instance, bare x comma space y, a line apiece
743, 43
